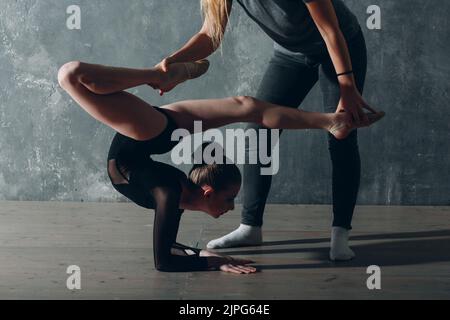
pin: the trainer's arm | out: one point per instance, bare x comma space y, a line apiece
200, 46
324, 16
326, 20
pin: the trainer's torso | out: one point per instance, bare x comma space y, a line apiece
290, 25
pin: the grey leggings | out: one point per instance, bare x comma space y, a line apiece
287, 81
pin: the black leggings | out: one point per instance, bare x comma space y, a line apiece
287, 81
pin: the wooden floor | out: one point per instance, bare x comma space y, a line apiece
112, 244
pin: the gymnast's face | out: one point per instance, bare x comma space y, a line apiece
218, 203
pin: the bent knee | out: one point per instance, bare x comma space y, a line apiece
69, 73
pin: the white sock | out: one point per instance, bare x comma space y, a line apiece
243, 236
340, 251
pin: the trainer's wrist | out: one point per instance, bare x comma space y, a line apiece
347, 82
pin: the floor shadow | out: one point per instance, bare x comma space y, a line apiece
395, 253
382, 236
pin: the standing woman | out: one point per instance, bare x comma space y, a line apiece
314, 40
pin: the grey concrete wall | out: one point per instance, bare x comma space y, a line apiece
50, 149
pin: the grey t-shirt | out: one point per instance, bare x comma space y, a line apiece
290, 25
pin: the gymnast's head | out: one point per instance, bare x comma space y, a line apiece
219, 185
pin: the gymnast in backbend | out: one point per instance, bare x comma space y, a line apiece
144, 130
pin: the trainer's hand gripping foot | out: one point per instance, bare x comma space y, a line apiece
343, 124
179, 73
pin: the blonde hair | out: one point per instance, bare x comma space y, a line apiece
215, 12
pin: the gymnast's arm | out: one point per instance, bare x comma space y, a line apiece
168, 254
183, 250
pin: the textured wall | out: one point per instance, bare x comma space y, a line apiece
52, 150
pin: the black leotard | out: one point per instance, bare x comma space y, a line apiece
156, 185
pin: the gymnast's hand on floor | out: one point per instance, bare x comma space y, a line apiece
228, 264
235, 268
352, 102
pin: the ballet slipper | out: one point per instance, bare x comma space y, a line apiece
196, 69
342, 129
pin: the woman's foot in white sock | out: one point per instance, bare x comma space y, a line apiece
245, 235
340, 250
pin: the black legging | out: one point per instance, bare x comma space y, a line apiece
287, 81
